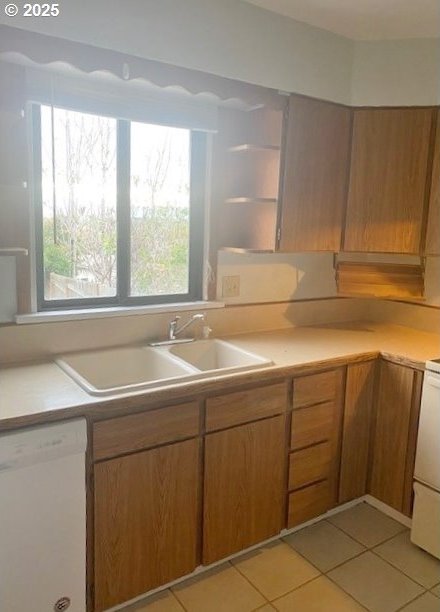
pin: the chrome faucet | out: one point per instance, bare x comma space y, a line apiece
174, 330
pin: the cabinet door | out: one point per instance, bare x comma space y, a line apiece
315, 175
388, 176
396, 421
356, 430
433, 235
146, 509
244, 482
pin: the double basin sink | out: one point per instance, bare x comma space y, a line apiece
128, 369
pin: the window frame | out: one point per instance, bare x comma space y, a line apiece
198, 175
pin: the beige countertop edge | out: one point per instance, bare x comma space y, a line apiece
98, 409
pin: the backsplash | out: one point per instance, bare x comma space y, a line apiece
277, 276
44, 340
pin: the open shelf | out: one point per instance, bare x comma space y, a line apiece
251, 200
13, 252
240, 250
253, 147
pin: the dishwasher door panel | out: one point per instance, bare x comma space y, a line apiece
42, 519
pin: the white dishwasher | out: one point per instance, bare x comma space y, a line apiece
425, 530
43, 518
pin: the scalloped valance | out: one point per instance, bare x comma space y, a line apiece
22, 46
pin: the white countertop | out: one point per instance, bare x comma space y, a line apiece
42, 392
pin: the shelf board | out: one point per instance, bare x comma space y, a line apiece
243, 250
253, 147
13, 252
250, 200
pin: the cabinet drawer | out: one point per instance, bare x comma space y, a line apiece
239, 407
308, 503
312, 425
309, 465
144, 430
316, 388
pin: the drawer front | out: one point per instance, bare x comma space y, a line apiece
239, 407
144, 430
316, 388
312, 425
309, 465
308, 503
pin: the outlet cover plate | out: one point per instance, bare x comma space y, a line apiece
230, 286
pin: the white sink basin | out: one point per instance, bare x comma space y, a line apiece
121, 370
110, 371
217, 355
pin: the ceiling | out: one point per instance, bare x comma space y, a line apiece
364, 19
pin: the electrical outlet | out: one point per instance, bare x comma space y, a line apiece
230, 286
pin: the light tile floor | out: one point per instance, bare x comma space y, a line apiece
357, 560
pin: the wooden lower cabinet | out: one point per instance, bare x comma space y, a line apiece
146, 521
308, 502
244, 487
160, 512
315, 436
359, 397
395, 432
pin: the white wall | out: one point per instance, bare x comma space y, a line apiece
226, 37
396, 72
238, 40
8, 289
277, 277
242, 41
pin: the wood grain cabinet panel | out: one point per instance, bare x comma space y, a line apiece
315, 175
317, 388
238, 407
312, 425
359, 398
310, 465
145, 429
146, 515
393, 449
388, 179
433, 232
244, 487
308, 502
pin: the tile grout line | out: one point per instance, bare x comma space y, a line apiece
347, 593
401, 571
374, 545
322, 573
411, 601
251, 583
270, 601
178, 600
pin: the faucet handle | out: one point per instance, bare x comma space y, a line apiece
206, 331
172, 326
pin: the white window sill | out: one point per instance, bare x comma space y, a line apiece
113, 311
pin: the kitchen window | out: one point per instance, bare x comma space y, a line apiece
119, 208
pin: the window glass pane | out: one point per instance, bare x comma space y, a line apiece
79, 204
159, 207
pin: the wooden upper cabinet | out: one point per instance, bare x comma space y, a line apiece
433, 234
315, 175
387, 195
